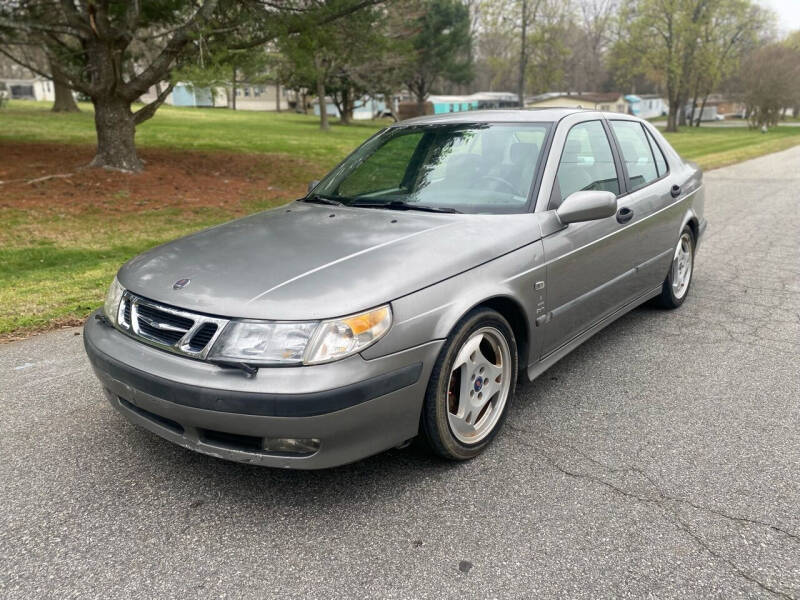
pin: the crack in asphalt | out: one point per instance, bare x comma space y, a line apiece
661, 502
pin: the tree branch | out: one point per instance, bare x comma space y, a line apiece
147, 111
132, 16
74, 17
258, 41
59, 76
163, 62
29, 26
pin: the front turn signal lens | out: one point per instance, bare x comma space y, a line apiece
340, 338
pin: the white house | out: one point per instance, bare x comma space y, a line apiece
649, 106
30, 88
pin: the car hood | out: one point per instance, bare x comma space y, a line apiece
306, 261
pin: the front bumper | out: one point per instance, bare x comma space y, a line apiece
355, 407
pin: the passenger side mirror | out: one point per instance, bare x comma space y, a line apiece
587, 206
312, 185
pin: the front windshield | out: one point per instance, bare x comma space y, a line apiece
471, 168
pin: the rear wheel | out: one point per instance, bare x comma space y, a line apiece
679, 278
471, 386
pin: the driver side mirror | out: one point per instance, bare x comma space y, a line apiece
312, 185
587, 206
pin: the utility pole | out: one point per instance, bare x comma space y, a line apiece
523, 55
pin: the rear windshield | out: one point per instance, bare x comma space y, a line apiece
471, 168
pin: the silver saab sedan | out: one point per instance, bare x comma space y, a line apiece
406, 294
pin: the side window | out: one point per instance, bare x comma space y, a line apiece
586, 162
385, 170
661, 162
636, 153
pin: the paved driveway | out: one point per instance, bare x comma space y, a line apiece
661, 459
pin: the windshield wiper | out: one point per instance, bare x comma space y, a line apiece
320, 199
249, 370
401, 205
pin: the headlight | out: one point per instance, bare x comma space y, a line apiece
264, 343
339, 338
113, 298
260, 342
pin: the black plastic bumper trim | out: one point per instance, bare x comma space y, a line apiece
253, 403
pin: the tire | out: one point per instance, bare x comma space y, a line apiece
676, 285
486, 350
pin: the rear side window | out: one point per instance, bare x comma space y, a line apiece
587, 162
636, 153
661, 162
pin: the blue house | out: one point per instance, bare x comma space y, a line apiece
184, 94
480, 100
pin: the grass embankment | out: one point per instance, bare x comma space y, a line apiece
62, 239
716, 146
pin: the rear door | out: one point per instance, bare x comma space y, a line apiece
656, 215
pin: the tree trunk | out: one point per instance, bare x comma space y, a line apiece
523, 55
323, 106
694, 106
116, 131
64, 100
420, 91
344, 110
672, 118
702, 108
388, 102
682, 113
277, 96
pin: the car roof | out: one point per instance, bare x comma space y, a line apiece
521, 115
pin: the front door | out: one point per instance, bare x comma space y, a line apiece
590, 264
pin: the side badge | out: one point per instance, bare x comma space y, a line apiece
180, 284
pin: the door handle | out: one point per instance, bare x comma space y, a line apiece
624, 215
675, 191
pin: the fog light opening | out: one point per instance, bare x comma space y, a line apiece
295, 446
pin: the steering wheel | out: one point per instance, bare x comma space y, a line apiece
507, 184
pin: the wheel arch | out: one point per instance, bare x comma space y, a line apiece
514, 313
690, 220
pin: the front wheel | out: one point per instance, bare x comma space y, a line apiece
471, 386
676, 285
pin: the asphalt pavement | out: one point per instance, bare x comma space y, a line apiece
659, 460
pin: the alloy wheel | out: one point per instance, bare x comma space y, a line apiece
682, 263
479, 385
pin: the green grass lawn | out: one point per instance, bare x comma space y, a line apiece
56, 260
713, 147
195, 129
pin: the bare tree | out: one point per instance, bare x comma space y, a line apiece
770, 77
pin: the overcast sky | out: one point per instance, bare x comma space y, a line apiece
788, 13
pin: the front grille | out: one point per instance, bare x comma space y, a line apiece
173, 329
165, 337
203, 336
150, 312
126, 311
